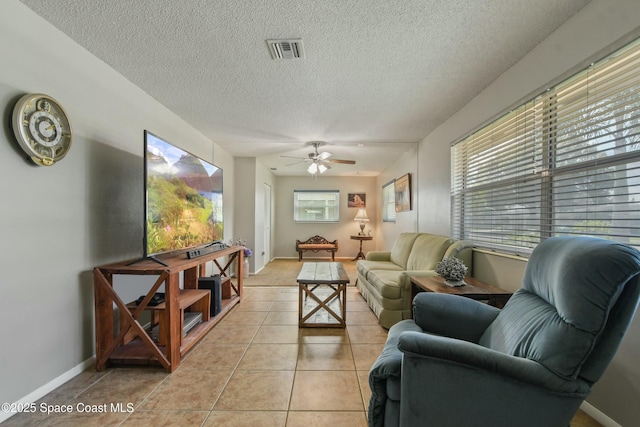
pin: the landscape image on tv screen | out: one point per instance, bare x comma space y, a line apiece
184, 198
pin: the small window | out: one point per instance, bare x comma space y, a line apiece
316, 206
389, 202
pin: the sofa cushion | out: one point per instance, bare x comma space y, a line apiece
402, 248
364, 267
427, 251
548, 313
386, 283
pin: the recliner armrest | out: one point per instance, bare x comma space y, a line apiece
433, 348
453, 315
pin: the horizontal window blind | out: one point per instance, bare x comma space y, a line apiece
388, 202
316, 206
565, 162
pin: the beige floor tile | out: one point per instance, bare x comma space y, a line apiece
353, 295
77, 385
330, 357
246, 317
324, 336
363, 379
214, 356
333, 419
357, 306
122, 386
270, 334
229, 333
264, 294
365, 354
246, 418
84, 419
188, 389
286, 296
257, 391
326, 391
165, 418
254, 305
282, 357
281, 318
285, 306
359, 334
361, 318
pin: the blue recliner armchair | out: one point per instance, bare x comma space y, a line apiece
460, 362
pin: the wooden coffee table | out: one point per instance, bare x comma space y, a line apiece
323, 295
474, 289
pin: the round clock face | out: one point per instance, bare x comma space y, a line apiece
42, 128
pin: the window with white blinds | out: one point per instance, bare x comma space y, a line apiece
566, 162
389, 202
316, 206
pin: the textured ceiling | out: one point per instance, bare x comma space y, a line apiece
381, 73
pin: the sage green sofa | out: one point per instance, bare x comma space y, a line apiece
384, 277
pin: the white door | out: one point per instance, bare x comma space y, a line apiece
267, 224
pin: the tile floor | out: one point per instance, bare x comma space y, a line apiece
255, 368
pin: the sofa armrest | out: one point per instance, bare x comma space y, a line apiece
404, 281
463, 250
378, 256
452, 315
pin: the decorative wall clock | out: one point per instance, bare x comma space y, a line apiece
42, 128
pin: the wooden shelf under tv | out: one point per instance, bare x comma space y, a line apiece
131, 344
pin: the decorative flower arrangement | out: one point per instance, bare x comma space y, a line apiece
247, 252
453, 270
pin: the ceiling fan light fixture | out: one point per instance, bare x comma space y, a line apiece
313, 168
322, 168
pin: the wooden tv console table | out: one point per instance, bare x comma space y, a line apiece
132, 345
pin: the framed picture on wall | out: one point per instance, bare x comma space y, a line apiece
357, 200
402, 188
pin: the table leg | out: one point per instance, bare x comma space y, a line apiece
360, 254
322, 304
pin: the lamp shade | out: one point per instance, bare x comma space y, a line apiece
361, 216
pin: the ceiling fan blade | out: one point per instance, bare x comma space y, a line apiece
297, 163
346, 162
294, 157
324, 155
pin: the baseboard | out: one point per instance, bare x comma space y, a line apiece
42, 391
594, 413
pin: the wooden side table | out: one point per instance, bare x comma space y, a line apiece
474, 289
360, 253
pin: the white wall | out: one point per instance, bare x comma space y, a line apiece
406, 221
286, 231
58, 222
597, 29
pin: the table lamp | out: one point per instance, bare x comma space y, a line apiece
362, 217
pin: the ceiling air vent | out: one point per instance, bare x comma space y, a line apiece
286, 49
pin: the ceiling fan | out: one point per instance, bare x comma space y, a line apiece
318, 162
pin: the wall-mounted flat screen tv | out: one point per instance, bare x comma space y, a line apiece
183, 198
